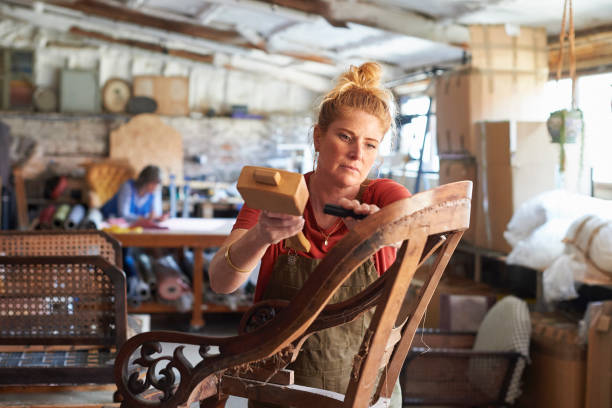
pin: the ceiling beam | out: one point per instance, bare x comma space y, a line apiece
393, 19
252, 61
207, 12
587, 34
130, 15
204, 58
593, 52
230, 37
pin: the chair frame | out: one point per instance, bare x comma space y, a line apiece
429, 223
48, 240
456, 346
45, 247
74, 374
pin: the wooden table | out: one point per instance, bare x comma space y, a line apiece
197, 233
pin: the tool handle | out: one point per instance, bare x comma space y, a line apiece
339, 211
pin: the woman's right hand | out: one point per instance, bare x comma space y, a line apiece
274, 227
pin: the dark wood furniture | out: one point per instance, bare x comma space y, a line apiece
62, 319
251, 364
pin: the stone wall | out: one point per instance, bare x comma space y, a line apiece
214, 148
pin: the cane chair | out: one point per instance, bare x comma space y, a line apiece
61, 243
62, 320
63, 313
252, 364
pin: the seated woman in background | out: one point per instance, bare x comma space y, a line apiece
138, 201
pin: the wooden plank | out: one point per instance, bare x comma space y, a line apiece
208, 59
145, 140
129, 15
170, 93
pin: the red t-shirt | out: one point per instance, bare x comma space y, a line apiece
381, 192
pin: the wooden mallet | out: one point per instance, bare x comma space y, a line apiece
278, 191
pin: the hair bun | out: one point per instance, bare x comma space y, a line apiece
366, 75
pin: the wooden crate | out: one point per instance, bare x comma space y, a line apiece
170, 93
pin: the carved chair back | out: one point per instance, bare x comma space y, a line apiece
272, 332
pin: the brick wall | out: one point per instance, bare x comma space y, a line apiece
216, 148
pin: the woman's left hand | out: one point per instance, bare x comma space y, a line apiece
358, 208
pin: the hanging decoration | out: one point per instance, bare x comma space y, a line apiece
567, 125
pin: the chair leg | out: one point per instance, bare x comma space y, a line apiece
213, 402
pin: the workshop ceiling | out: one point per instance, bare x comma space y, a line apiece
313, 38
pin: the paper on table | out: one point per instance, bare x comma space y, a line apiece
222, 226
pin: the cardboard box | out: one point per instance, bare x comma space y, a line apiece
556, 375
469, 96
516, 161
454, 169
507, 47
170, 93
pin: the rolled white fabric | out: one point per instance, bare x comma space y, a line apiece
75, 217
93, 219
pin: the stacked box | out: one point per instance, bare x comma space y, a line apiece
556, 375
516, 162
469, 96
508, 162
170, 93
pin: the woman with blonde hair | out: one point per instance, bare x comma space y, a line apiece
352, 120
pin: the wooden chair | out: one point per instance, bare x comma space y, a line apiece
62, 319
54, 284
470, 369
61, 243
251, 364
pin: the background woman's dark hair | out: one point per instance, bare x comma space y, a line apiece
150, 174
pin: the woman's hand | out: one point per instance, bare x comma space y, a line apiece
274, 227
358, 208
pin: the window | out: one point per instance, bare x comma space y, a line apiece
402, 161
594, 98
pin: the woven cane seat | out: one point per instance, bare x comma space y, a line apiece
62, 319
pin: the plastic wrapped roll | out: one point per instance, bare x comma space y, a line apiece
60, 216
45, 219
138, 291
170, 281
75, 217
92, 220
145, 267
